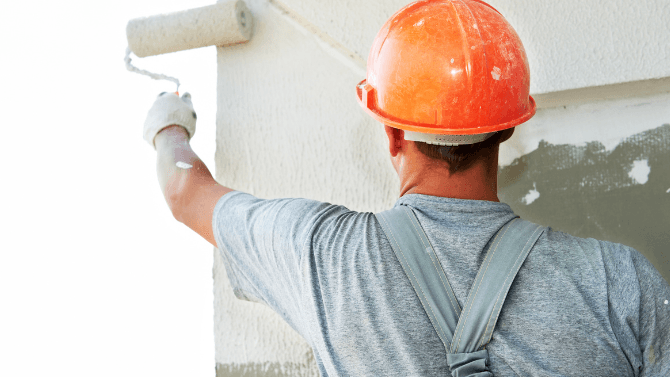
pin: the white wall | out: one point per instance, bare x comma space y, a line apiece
288, 124
570, 43
576, 43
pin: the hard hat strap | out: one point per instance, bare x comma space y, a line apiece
447, 140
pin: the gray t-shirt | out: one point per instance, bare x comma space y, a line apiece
578, 307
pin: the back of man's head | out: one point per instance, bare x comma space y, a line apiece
453, 75
460, 158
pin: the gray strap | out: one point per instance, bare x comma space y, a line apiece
504, 258
419, 261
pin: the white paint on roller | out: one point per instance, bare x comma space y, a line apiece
183, 165
607, 122
532, 195
220, 24
640, 171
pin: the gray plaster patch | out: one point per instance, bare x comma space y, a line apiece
588, 191
265, 370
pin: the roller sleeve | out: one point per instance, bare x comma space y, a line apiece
220, 24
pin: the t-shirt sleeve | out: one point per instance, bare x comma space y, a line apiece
263, 244
639, 309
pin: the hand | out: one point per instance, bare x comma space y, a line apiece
168, 110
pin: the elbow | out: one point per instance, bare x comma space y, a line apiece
174, 204
176, 197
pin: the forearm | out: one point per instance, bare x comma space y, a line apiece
188, 187
181, 174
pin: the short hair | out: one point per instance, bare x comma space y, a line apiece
461, 157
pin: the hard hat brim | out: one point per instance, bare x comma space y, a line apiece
367, 102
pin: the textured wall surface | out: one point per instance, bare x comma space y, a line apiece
570, 43
575, 43
288, 125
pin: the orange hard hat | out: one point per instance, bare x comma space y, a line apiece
447, 67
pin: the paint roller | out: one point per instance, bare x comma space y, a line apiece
221, 24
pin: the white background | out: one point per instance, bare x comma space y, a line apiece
96, 277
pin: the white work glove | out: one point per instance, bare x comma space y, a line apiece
168, 110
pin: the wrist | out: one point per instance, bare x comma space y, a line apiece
171, 134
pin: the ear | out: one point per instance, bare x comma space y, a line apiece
396, 139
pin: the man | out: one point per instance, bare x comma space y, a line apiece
449, 79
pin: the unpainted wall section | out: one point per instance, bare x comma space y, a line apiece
288, 125
599, 170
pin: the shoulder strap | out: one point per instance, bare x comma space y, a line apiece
505, 255
419, 261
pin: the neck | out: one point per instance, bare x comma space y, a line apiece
422, 175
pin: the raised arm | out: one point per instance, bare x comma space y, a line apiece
188, 187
